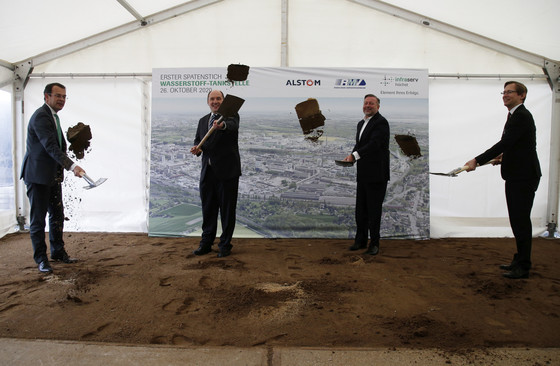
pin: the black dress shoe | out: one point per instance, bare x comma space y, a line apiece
202, 250
63, 257
372, 250
45, 267
517, 273
512, 265
358, 246
224, 253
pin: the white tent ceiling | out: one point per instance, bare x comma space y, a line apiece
250, 31
475, 39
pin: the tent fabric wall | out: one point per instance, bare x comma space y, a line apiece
510, 22
466, 118
462, 124
367, 37
252, 31
7, 222
361, 38
113, 109
7, 200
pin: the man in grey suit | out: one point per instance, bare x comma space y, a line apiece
219, 176
517, 152
43, 172
371, 153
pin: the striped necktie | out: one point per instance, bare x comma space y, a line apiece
212, 119
58, 130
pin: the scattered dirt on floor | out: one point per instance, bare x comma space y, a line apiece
446, 294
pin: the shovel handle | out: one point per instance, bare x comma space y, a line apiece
87, 179
491, 161
459, 170
210, 131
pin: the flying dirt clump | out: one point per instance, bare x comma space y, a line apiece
409, 145
79, 137
311, 119
237, 72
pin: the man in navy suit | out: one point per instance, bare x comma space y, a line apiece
517, 152
43, 172
219, 177
371, 153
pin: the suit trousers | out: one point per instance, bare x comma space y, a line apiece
218, 196
519, 197
45, 199
369, 205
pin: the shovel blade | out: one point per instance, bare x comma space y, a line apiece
100, 181
230, 106
93, 184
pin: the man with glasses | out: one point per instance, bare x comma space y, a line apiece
520, 168
42, 172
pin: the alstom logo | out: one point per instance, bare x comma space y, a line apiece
350, 83
302, 82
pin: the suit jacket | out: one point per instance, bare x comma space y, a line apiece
373, 148
221, 148
44, 159
519, 147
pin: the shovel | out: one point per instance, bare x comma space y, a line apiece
91, 182
344, 163
229, 107
456, 171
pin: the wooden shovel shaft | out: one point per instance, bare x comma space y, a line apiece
210, 131
456, 171
462, 169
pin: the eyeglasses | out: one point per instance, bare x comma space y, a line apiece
58, 96
507, 92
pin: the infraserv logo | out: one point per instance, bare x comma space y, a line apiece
303, 82
350, 84
398, 80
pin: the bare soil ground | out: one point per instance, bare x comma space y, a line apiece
446, 294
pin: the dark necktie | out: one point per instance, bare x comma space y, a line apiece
507, 120
58, 130
212, 119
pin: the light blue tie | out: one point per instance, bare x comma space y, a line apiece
58, 130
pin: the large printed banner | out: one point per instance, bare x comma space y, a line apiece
291, 186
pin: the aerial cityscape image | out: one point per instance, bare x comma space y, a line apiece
290, 185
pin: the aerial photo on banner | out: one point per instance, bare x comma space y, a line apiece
294, 124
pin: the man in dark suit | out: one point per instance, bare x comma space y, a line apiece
43, 172
371, 153
517, 152
219, 177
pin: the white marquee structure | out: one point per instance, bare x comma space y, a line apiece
104, 52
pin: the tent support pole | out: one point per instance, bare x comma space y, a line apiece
133, 11
146, 135
120, 30
552, 70
284, 40
21, 77
452, 30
